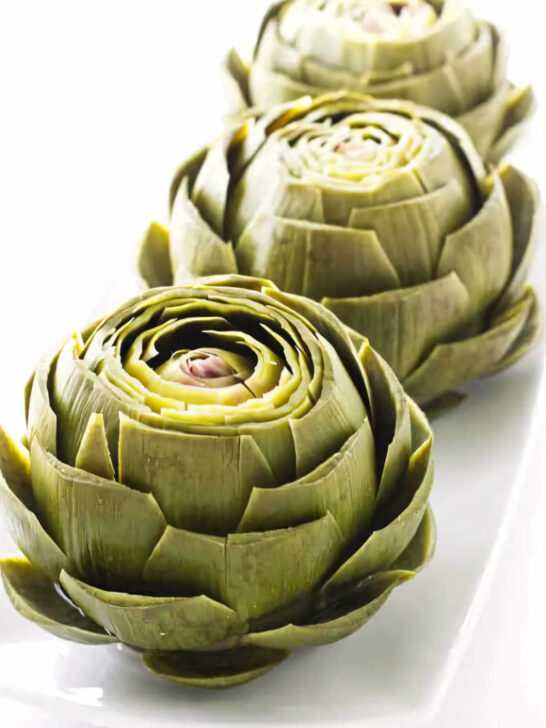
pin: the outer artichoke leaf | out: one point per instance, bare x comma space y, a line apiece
484, 122
391, 423
201, 482
528, 337
344, 485
210, 190
315, 260
404, 325
237, 76
385, 545
268, 88
93, 455
451, 365
480, 253
188, 169
251, 283
432, 215
420, 549
27, 532
444, 403
269, 570
215, 670
28, 391
195, 249
41, 419
522, 196
335, 417
108, 531
154, 263
338, 617
156, 623
186, 564
520, 107
15, 467
36, 598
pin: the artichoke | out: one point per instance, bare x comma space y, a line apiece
432, 52
383, 211
214, 476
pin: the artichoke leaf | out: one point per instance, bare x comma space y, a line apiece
523, 199
186, 563
36, 598
107, 530
386, 544
215, 670
195, 249
93, 455
480, 253
344, 485
484, 121
519, 108
153, 262
315, 260
201, 482
189, 169
338, 617
451, 365
391, 424
404, 325
269, 570
156, 623
210, 189
528, 336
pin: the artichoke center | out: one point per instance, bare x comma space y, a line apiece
380, 17
213, 368
357, 148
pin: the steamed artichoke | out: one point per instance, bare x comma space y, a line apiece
214, 476
381, 210
432, 52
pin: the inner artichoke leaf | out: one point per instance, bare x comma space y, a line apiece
344, 485
194, 245
480, 252
450, 365
328, 326
338, 618
268, 570
386, 544
201, 482
404, 325
215, 670
107, 530
185, 563
93, 455
36, 598
156, 623
311, 259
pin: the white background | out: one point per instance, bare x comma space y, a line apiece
98, 102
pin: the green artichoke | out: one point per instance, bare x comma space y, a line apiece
432, 52
381, 210
214, 476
